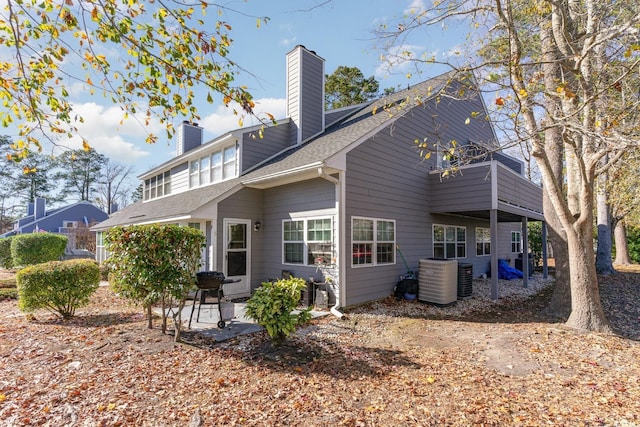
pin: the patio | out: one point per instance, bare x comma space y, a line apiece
207, 324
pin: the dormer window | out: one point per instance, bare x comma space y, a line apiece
215, 167
157, 186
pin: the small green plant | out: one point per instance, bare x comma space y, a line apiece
58, 286
5, 253
273, 304
36, 248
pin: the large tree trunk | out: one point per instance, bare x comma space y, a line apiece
622, 248
560, 304
586, 309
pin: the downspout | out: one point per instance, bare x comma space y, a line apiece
339, 193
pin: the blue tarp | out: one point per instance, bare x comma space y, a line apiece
506, 272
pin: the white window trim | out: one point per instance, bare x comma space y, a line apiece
433, 241
517, 241
305, 242
483, 241
222, 166
374, 242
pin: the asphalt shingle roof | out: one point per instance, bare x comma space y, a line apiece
336, 137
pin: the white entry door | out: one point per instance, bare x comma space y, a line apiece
237, 257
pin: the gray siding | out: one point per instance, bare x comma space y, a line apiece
467, 190
387, 179
279, 204
305, 92
245, 204
518, 192
256, 150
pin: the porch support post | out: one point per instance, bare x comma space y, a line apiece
545, 264
525, 252
493, 221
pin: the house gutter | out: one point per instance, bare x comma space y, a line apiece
341, 291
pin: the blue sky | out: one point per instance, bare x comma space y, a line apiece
340, 31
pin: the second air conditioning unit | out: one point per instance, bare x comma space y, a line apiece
438, 281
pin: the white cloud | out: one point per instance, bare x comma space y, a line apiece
415, 7
287, 41
102, 129
399, 59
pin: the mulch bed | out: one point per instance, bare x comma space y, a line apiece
388, 363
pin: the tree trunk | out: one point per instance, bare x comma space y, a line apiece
560, 304
586, 309
622, 248
149, 317
604, 264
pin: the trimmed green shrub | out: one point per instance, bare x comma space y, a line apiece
155, 263
8, 283
272, 306
8, 293
633, 243
58, 286
8, 289
36, 248
5, 253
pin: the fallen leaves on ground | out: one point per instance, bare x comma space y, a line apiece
389, 363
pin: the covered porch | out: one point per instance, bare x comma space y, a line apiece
492, 192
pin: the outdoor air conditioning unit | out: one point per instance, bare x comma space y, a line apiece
438, 281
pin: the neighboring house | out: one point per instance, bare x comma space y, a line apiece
67, 220
334, 193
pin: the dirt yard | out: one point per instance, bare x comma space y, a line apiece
389, 363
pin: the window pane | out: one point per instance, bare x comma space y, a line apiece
487, 248
204, 171
229, 162
362, 254
362, 229
293, 230
450, 250
385, 231
461, 234
385, 253
293, 253
319, 229
319, 254
451, 234
438, 250
479, 248
216, 167
461, 250
438, 233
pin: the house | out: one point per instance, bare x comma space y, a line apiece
71, 220
333, 194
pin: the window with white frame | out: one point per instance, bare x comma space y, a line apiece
483, 241
157, 186
373, 241
516, 242
215, 167
308, 241
449, 241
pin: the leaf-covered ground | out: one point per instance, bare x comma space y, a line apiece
389, 363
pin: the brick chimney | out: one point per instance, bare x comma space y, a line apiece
305, 93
